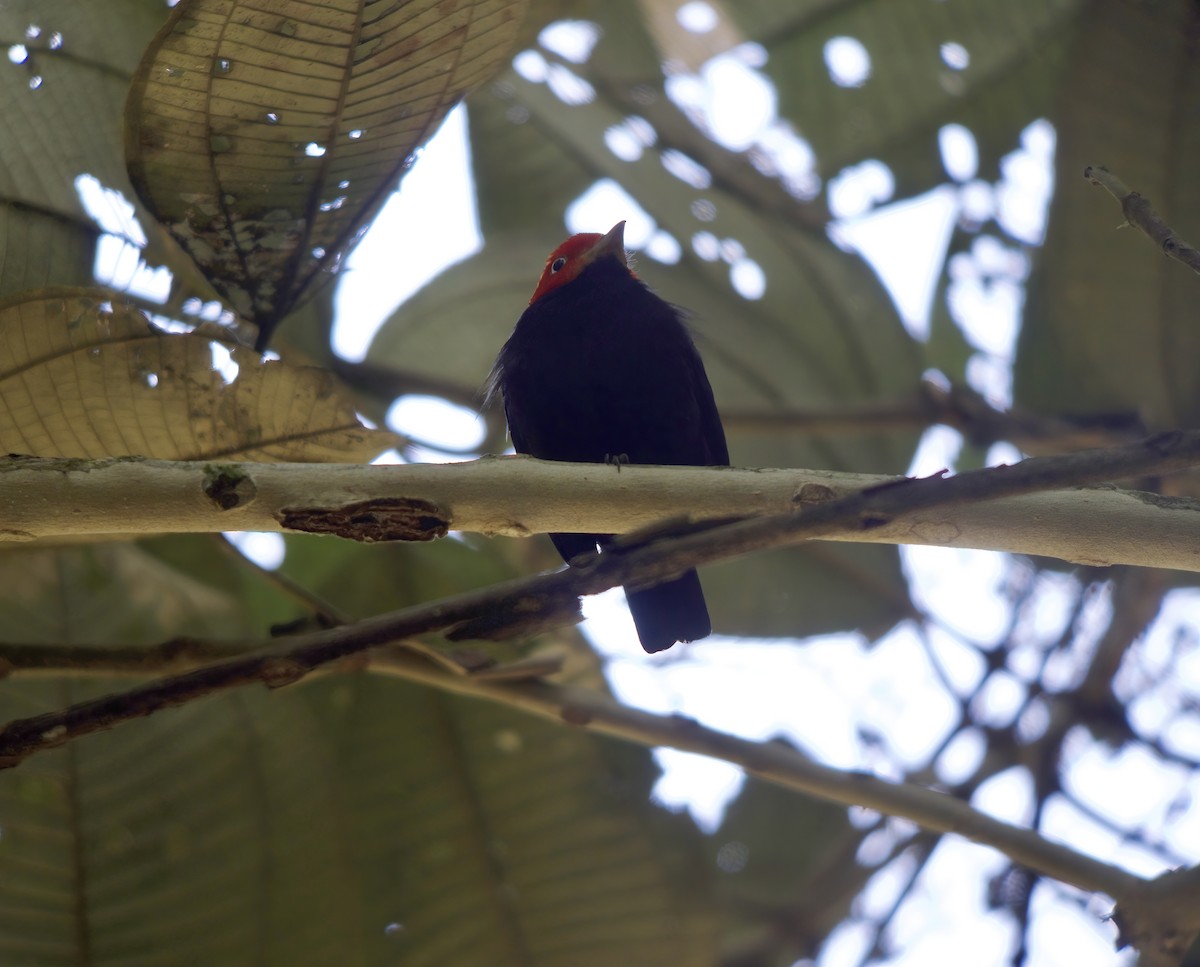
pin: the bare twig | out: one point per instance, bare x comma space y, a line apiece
175, 655
784, 766
777, 763
1141, 214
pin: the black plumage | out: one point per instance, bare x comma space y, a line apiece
599, 368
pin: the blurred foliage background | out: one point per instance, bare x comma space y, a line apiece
361, 819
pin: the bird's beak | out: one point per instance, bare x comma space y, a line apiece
611, 244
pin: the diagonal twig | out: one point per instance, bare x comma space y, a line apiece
1141, 214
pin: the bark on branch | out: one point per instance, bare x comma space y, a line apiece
72, 499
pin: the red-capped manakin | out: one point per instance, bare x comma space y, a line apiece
600, 369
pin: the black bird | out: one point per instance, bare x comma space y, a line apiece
600, 369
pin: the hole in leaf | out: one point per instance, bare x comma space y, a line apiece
663, 247
848, 62
707, 246
955, 56
223, 362
572, 40
685, 169
748, 279
697, 17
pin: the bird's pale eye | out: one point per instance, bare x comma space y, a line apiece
557, 265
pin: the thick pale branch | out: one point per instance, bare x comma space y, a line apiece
56, 499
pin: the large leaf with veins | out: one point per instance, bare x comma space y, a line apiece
266, 137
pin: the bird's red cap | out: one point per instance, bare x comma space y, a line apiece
576, 254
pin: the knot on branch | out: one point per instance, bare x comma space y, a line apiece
278, 672
229, 486
1162, 918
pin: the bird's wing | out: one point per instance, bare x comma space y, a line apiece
712, 433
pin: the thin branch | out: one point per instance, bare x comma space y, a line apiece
1140, 213
774, 762
175, 655
178, 655
1137, 599
1136, 837
921, 847
784, 766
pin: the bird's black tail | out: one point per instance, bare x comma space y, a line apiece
670, 612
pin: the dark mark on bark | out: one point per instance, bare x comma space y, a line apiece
369, 521
228, 486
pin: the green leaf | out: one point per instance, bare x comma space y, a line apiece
115, 593
788, 872
1110, 324
821, 588
238, 857
80, 57
364, 579
1015, 52
491, 838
